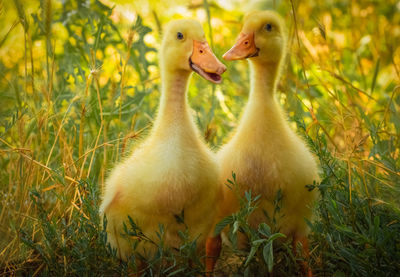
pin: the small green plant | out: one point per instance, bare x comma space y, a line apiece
72, 244
355, 233
78, 245
259, 258
165, 261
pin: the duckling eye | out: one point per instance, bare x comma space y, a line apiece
268, 27
179, 35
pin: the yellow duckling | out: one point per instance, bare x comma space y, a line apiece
264, 152
172, 173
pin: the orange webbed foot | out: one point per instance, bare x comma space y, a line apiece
305, 252
213, 250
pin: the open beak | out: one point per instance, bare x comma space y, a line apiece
204, 62
244, 48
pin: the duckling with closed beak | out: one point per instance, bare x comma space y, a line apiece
264, 152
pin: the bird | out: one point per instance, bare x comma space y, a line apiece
171, 178
265, 154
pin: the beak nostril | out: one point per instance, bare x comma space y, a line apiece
221, 69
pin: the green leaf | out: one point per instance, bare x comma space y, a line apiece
375, 75
235, 227
258, 242
269, 256
247, 272
176, 271
222, 224
253, 251
275, 236
264, 229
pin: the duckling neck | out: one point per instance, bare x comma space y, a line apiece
173, 110
263, 81
263, 118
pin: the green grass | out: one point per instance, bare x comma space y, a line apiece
79, 89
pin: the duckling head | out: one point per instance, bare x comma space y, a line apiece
262, 38
185, 48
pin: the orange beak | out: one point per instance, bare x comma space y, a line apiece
244, 48
205, 63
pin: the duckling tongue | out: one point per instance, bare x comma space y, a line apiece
212, 77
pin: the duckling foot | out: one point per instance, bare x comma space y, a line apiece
213, 250
305, 253
140, 269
